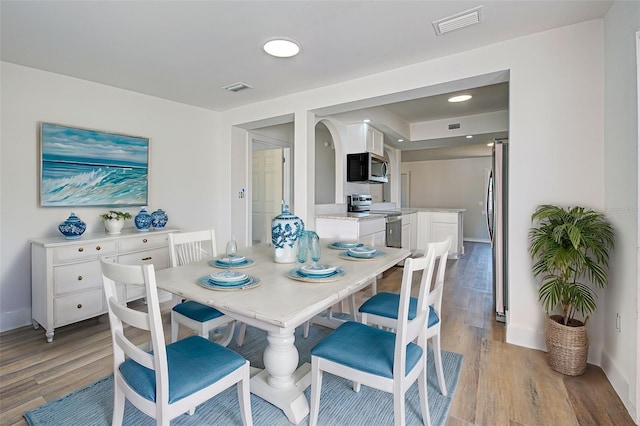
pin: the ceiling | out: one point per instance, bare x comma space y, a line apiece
186, 51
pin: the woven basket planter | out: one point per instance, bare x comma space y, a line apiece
567, 347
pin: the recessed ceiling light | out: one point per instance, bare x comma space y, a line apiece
460, 98
282, 47
469, 136
400, 140
490, 144
366, 120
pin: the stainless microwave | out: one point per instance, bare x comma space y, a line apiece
366, 167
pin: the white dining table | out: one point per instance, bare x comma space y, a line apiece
279, 305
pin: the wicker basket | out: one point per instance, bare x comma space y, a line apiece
567, 347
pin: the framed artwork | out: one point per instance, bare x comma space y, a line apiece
83, 167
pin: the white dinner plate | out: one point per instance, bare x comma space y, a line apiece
318, 270
228, 276
362, 251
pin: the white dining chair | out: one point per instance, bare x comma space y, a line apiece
379, 358
382, 309
169, 380
189, 247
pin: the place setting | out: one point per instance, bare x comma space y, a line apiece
362, 253
316, 273
232, 260
229, 280
344, 245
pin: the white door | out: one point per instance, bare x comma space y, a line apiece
267, 192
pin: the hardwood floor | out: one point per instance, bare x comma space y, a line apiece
500, 384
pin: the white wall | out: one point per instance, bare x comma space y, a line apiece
177, 131
621, 189
452, 184
556, 134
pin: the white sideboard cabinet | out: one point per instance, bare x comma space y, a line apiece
66, 279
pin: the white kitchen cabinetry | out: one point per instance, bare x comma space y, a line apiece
409, 225
434, 226
369, 230
66, 278
364, 138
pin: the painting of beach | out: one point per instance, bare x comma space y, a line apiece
82, 167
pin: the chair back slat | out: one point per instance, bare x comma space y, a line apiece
151, 321
408, 330
435, 295
189, 247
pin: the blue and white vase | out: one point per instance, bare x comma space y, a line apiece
143, 220
286, 230
73, 227
159, 219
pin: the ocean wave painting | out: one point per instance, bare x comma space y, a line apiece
82, 167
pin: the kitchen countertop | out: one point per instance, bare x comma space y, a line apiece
409, 210
351, 216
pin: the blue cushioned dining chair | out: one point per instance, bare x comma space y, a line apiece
378, 358
189, 247
169, 380
382, 309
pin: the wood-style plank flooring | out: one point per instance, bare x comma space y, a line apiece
500, 384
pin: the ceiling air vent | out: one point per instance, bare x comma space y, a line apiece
460, 20
236, 87
454, 126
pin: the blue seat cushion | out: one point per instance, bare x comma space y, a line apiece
364, 348
197, 311
194, 363
387, 304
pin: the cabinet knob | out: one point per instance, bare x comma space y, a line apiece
98, 248
144, 240
80, 249
147, 258
79, 305
79, 277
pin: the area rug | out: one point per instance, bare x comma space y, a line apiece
339, 404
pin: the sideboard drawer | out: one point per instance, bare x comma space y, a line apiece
158, 257
80, 252
78, 306
144, 241
77, 276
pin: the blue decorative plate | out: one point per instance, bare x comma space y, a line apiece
249, 282
343, 245
349, 256
298, 275
219, 263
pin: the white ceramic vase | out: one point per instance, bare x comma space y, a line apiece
113, 226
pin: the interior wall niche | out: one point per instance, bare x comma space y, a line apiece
325, 170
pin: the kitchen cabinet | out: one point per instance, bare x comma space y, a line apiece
409, 234
436, 225
66, 277
368, 230
362, 137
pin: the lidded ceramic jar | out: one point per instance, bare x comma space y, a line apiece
159, 219
142, 220
73, 227
286, 230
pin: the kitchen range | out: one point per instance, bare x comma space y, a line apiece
359, 205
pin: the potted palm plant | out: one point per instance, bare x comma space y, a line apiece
570, 249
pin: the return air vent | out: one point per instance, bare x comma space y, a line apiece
454, 126
236, 87
457, 21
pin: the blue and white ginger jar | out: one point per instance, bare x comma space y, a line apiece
159, 219
142, 220
73, 227
286, 230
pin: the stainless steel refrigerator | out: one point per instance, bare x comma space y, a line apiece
497, 220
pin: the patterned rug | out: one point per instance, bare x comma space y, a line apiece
339, 404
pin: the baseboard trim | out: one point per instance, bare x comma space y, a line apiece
477, 240
619, 382
15, 319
